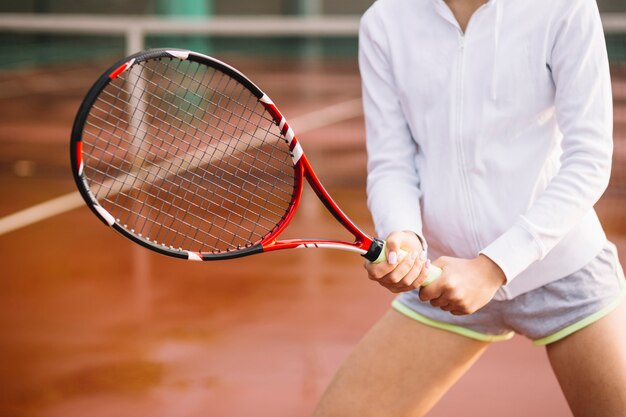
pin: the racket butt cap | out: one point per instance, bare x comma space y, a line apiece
375, 251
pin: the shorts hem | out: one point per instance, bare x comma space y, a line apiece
581, 324
460, 330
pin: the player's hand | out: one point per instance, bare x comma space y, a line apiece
399, 275
465, 285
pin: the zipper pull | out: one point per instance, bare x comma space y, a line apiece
461, 42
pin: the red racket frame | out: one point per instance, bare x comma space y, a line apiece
363, 244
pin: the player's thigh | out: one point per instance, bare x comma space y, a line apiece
590, 366
400, 368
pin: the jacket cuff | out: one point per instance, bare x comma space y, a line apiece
422, 240
514, 251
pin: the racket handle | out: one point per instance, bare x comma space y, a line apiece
434, 271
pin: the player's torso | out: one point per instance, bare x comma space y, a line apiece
472, 100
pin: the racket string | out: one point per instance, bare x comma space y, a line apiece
252, 215
116, 192
259, 149
239, 164
171, 204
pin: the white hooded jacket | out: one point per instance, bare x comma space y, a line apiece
495, 141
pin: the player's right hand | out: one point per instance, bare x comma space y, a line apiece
401, 274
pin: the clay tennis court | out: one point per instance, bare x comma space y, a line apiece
91, 324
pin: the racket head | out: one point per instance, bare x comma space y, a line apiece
186, 156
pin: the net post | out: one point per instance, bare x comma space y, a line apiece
375, 251
134, 40
313, 48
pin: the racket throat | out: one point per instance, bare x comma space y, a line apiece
374, 251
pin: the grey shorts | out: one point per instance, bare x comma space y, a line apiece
544, 315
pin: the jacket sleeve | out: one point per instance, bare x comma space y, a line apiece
583, 107
393, 192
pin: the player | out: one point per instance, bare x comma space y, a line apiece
489, 137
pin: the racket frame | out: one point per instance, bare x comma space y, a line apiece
368, 247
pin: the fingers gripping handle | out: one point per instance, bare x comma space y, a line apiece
434, 272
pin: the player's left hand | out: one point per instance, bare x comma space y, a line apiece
465, 285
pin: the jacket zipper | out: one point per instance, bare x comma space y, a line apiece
459, 141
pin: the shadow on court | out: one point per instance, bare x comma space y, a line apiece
92, 325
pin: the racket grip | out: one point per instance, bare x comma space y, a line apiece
434, 271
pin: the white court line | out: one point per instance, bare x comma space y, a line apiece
314, 120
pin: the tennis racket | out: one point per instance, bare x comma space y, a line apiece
184, 155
